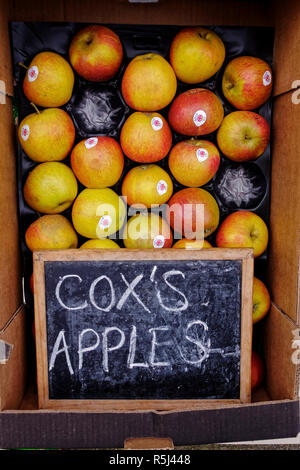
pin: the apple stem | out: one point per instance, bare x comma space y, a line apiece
22, 65
35, 107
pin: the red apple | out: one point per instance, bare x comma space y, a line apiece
186, 209
243, 135
196, 112
96, 53
50, 188
194, 162
146, 137
257, 371
50, 232
247, 82
243, 229
261, 300
31, 284
97, 162
149, 83
196, 54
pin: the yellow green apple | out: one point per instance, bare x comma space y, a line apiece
96, 53
196, 54
194, 162
49, 80
146, 137
149, 83
98, 213
97, 243
146, 186
97, 162
146, 231
50, 188
243, 229
47, 135
51, 232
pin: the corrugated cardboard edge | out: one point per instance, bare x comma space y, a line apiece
39, 429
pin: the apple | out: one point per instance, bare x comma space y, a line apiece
98, 213
261, 300
97, 243
51, 232
31, 282
96, 53
243, 229
50, 188
247, 82
149, 83
147, 230
257, 371
196, 112
97, 162
146, 137
49, 80
196, 54
243, 135
147, 186
47, 135
193, 212
191, 244
194, 162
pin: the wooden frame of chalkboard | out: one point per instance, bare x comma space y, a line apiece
65, 396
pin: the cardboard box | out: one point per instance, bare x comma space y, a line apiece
274, 411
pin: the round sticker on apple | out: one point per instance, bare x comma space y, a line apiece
162, 187
267, 78
105, 222
199, 117
91, 142
32, 73
202, 154
159, 241
25, 132
156, 123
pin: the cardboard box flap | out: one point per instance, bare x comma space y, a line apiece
284, 246
286, 47
110, 430
282, 356
13, 374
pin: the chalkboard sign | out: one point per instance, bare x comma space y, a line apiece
131, 327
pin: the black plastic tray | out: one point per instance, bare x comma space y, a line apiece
28, 39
